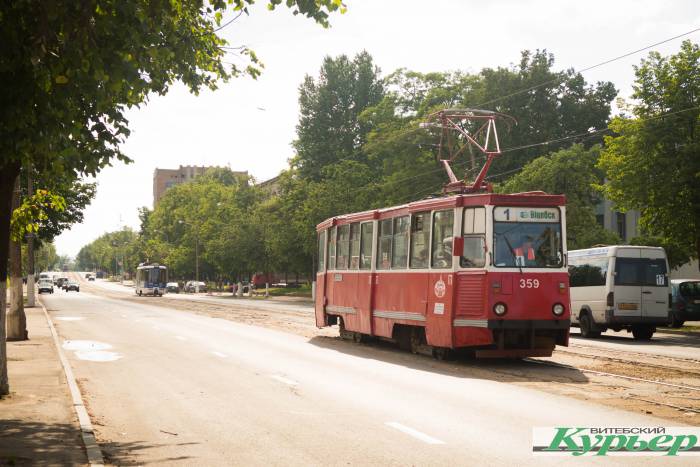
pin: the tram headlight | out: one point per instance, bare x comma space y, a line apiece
558, 309
500, 309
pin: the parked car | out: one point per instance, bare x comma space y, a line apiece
172, 287
71, 285
685, 301
190, 286
45, 285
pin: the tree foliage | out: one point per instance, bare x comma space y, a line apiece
652, 162
571, 172
329, 128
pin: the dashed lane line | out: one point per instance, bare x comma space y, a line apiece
284, 380
415, 433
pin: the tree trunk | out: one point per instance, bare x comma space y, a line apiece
16, 319
8, 174
30, 249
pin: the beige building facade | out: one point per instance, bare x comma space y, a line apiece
167, 178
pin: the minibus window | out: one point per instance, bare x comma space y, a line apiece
641, 272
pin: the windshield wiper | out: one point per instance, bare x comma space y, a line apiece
512, 252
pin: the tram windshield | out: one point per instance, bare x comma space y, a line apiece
527, 237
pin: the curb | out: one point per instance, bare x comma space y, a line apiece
92, 449
677, 331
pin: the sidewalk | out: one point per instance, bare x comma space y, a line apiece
38, 425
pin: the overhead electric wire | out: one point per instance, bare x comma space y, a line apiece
229, 22
583, 70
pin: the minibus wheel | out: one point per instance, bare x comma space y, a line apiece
642, 333
586, 325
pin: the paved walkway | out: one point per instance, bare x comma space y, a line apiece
38, 425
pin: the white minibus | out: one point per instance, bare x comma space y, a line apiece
619, 287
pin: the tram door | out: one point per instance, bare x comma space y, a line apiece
320, 297
365, 278
440, 287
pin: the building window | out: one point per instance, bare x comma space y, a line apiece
621, 225
600, 219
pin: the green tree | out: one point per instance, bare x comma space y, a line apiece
556, 104
69, 70
571, 172
329, 128
652, 162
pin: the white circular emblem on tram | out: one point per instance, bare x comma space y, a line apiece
440, 288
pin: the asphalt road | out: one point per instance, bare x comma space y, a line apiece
179, 388
674, 345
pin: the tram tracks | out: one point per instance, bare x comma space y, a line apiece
680, 371
630, 353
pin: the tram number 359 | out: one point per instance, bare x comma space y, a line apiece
529, 284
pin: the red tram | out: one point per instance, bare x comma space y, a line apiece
472, 270
485, 271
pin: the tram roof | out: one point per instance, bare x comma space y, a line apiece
530, 198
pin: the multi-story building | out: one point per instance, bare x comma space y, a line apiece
626, 225
271, 186
166, 178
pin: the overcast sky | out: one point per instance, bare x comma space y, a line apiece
227, 127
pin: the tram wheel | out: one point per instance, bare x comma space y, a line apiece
442, 353
417, 341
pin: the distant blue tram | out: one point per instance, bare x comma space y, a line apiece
151, 279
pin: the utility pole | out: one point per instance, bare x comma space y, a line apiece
30, 246
196, 262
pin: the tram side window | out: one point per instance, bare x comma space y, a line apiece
442, 239
366, 245
331, 248
473, 230
384, 248
343, 246
321, 250
354, 245
399, 257
420, 237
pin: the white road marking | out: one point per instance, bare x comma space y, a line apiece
85, 345
284, 380
180, 338
97, 355
415, 433
69, 318
219, 354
